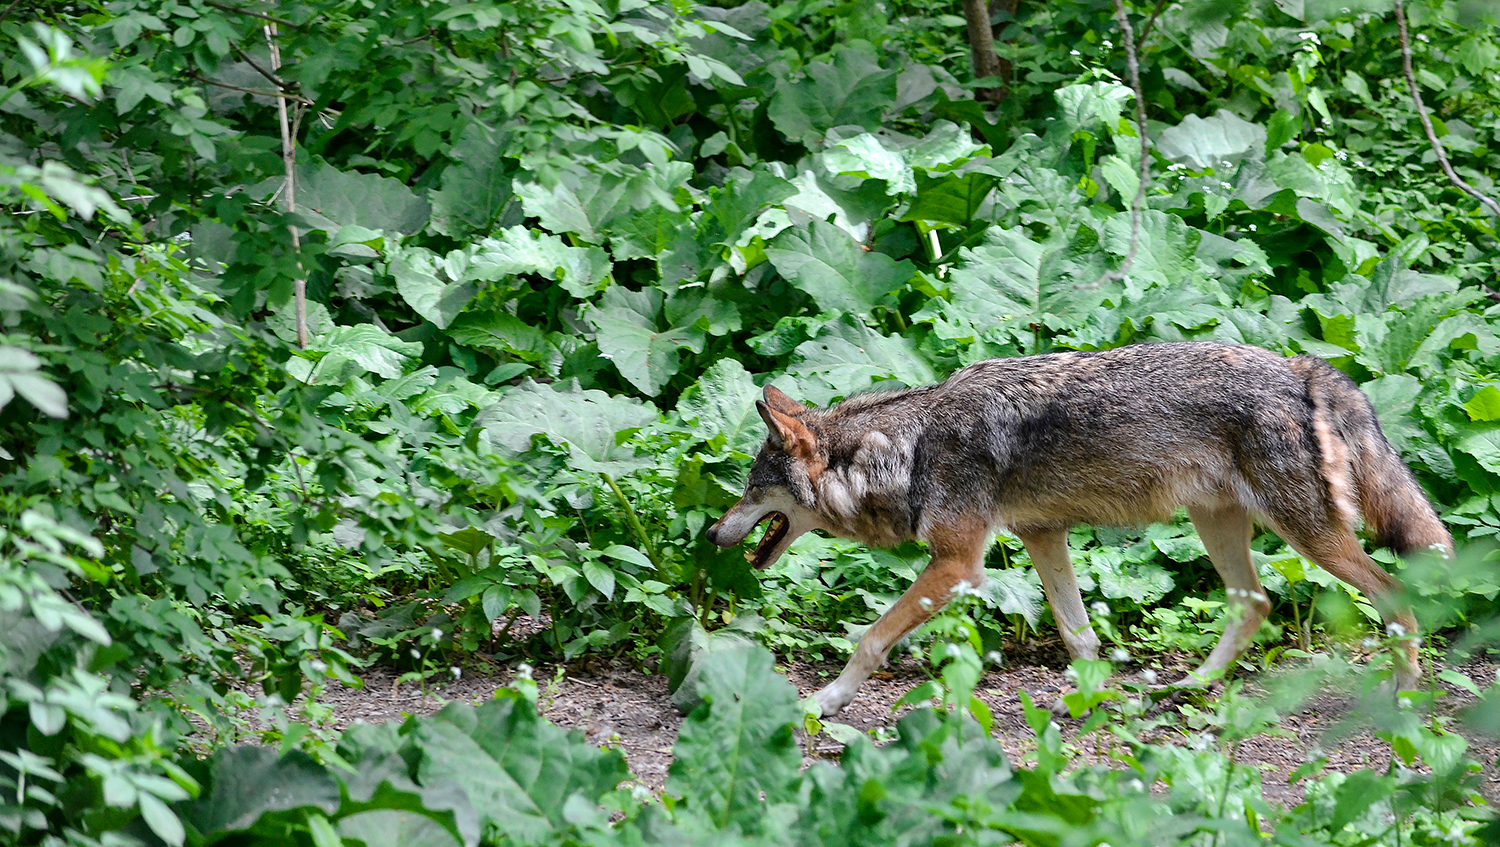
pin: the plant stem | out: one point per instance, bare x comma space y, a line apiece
633, 520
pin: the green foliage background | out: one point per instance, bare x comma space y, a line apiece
552, 251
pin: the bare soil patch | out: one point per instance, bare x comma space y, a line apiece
631, 710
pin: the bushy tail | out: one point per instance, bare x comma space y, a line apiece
1363, 470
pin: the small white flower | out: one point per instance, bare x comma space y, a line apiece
1252, 227
523, 671
1119, 655
1074, 53
1108, 44
915, 651
1308, 36
951, 651
1100, 608
1070, 675
994, 657
456, 671
1395, 630
1150, 676
437, 634
1422, 37
1136, 785
415, 654
1403, 702
318, 665
1225, 185
1341, 156
1052, 725
925, 603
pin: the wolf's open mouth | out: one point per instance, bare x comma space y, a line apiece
775, 531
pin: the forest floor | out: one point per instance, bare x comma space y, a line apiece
630, 710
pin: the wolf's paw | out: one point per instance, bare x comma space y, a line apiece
833, 699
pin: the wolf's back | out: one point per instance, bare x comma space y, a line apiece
1363, 471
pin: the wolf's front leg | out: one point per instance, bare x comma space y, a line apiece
957, 556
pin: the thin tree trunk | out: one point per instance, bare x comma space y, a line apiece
982, 49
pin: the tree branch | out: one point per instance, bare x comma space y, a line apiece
275, 80
1416, 99
257, 92
289, 195
223, 8
1133, 72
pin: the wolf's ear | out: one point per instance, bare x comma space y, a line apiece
787, 433
777, 400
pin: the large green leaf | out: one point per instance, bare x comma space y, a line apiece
518, 250
248, 782
837, 271
20, 373
850, 357
851, 90
628, 333
331, 199
477, 188
723, 404
587, 422
434, 286
519, 771
736, 755
1217, 142
350, 350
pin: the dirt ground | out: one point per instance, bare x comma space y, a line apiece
632, 711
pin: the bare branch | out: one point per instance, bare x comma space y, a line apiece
223, 8
289, 195
1416, 98
274, 79
1133, 72
1151, 21
257, 92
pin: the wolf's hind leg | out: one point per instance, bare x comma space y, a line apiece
1049, 554
1340, 553
957, 556
1225, 532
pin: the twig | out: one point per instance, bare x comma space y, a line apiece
289, 197
275, 80
1151, 21
8, 10
1416, 98
247, 12
1133, 71
257, 92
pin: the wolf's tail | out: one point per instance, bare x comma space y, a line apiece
1364, 473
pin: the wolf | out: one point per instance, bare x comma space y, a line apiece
1036, 444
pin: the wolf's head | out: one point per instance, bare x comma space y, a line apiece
780, 489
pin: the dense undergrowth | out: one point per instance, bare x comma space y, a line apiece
551, 251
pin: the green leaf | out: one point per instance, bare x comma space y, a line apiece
518, 250
585, 421
628, 333
1217, 142
736, 754
1013, 591
395, 828
161, 819
476, 188
20, 373
722, 403
330, 199
427, 284
1484, 406
836, 270
851, 357
364, 348
850, 90
240, 792
519, 771
601, 577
